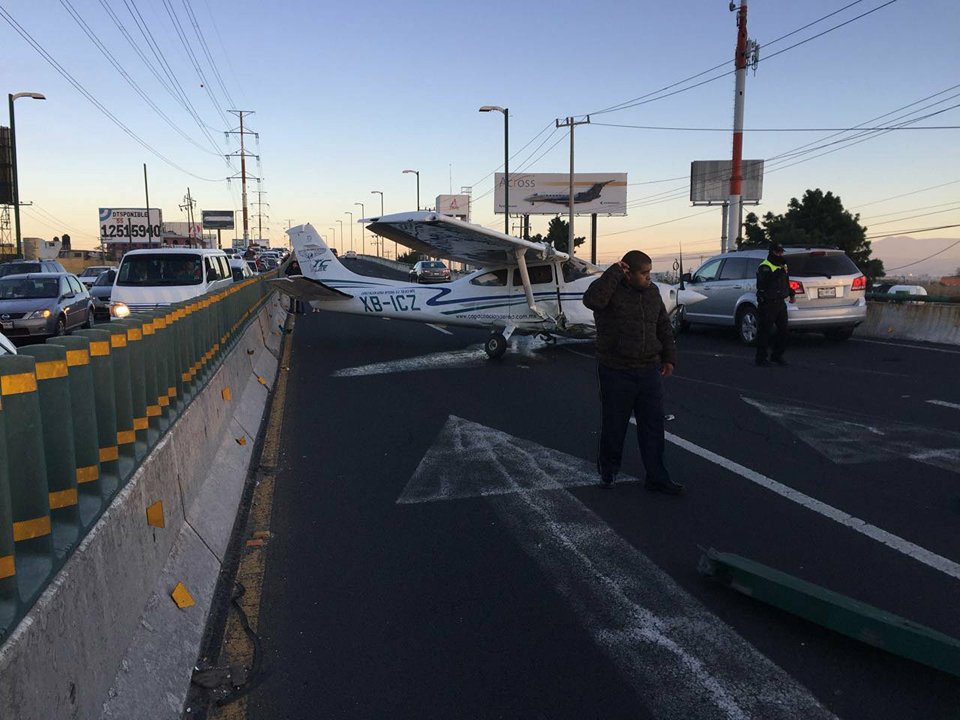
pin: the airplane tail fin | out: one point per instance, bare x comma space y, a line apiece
317, 261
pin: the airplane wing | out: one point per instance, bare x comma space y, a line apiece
448, 237
303, 288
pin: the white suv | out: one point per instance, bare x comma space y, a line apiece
830, 292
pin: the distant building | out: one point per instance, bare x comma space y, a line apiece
950, 280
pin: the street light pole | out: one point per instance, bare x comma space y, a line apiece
347, 212
341, 234
506, 162
417, 173
363, 228
13, 161
333, 234
380, 242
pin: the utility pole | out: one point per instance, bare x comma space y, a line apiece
243, 169
259, 214
571, 123
745, 47
146, 192
188, 205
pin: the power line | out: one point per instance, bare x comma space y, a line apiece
90, 97
773, 130
913, 217
928, 257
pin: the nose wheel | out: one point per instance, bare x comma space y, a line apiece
495, 346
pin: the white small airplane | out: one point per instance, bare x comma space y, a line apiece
524, 287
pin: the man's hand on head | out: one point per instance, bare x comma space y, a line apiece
624, 267
666, 369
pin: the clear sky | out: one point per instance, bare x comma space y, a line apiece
347, 96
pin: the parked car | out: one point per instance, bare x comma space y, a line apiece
90, 274
100, 292
830, 292
18, 267
7, 347
240, 270
151, 278
40, 305
255, 266
427, 271
904, 290
350, 255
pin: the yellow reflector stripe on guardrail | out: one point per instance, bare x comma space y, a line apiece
140, 423
134, 334
164, 402
78, 357
118, 341
109, 453
126, 437
30, 529
148, 328
7, 566
154, 410
185, 377
171, 392
50, 369
63, 498
87, 474
99, 348
19, 383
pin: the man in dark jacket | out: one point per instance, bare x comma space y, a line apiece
635, 350
773, 287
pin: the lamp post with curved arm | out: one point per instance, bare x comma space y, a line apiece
380, 246
417, 173
341, 233
506, 162
333, 232
363, 228
13, 161
347, 212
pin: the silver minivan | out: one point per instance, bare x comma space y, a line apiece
830, 292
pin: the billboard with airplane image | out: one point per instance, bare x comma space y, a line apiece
549, 193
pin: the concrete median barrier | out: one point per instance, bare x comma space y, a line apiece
923, 322
105, 638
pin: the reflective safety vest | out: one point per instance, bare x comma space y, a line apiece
773, 268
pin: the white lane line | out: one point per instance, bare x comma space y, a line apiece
439, 329
931, 559
903, 345
944, 403
679, 658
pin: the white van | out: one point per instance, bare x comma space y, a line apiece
151, 278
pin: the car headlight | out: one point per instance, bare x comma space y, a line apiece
38, 314
119, 310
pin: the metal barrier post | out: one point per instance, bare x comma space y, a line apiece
138, 391
27, 470
9, 597
152, 359
56, 412
126, 434
101, 368
86, 460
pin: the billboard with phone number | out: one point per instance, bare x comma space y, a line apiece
129, 224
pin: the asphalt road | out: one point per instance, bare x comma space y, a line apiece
421, 566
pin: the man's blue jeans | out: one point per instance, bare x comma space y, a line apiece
637, 392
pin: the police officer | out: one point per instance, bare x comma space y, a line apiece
773, 287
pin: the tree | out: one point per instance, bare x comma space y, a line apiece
558, 233
815, 221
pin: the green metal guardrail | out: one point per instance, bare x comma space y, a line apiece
80, 413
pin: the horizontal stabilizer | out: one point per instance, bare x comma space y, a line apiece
304, 288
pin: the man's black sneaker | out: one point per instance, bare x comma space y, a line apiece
669, 487
779, 361
607, 480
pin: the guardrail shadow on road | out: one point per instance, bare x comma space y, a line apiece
79, 414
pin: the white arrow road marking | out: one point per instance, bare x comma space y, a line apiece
523, 346
944, 403
681, 660
843, 439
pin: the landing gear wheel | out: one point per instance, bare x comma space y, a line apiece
495, 346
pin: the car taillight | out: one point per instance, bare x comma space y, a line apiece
859, 283
797, 287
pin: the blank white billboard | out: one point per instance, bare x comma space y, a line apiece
549, 193
710, 181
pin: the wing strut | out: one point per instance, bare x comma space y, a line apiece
527, 289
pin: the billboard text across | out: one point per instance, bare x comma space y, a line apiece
127, 224
549, 193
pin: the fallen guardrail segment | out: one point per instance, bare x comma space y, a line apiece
850, 617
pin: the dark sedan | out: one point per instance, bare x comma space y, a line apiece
100, 292
39, 305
